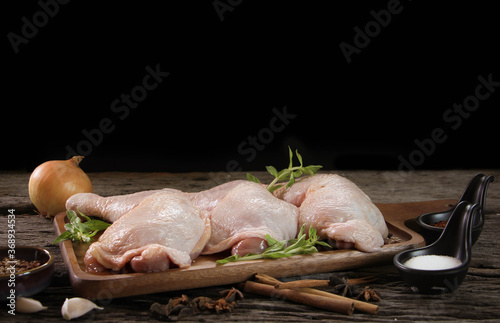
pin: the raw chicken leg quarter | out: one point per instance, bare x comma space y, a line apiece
245, 215
153, 230
338, 210
164, 228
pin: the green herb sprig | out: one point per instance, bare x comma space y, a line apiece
281, 249
290, 173
76, 230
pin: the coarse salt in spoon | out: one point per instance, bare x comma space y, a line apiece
432, 262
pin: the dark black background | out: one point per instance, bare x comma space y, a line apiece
226, 76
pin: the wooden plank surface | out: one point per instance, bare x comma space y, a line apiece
477, 299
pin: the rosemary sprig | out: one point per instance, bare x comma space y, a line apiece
290, 173
76, 230
281, 249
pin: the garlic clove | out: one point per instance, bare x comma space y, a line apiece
76, 307
28, 305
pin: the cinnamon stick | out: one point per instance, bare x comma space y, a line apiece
266, 279
302, 283
326, 303
358, 305
319, 282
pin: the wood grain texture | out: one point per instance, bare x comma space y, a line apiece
476, 299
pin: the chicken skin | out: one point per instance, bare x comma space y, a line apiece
164, 229
110, 208
244, 213
338, 210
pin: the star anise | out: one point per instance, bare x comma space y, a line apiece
220, 305
183, 306
232, 294
225, 304
341, 286
369, 294
180, 306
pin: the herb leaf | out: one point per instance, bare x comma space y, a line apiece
290, 173
272, 171
76, 230
66, 235
281, 249
252, 178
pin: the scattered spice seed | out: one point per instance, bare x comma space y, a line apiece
391, 239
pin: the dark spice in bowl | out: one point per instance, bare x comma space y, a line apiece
19, 265
440, 224
32, 268
431, 225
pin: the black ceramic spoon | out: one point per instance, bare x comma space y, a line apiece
456, 241
475, 193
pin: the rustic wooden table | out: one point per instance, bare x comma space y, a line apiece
477, 298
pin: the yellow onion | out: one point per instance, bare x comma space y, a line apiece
53, 182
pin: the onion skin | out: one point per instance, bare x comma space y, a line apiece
53, 182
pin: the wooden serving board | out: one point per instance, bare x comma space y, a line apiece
204, 272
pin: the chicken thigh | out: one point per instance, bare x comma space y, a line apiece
164, 228
110, 208
338, 210
207, 200
244, 213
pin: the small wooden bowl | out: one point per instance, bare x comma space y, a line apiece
29, 282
